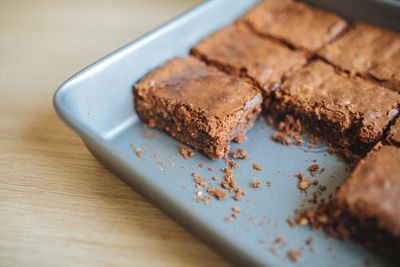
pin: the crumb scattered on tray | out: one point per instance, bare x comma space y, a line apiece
278, 240
269, 183
294, 255
256, 184
228, 181
238, 194
236, 209
256, 166
304, 182
309, 240
239, 153
240, 139
199, 198
138, 151
313, 168
281, 138
148, 134
202, 165
185, 151
232, 164
289, 131
219, 194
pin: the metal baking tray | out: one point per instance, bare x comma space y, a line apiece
97, 104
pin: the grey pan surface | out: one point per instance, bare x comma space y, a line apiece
97, 104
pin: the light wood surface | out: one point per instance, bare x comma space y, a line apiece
58, 205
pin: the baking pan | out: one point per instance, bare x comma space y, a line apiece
97, 104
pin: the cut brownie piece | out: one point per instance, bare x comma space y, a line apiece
197, 104
239, 51
350, 113
295, 23
369, 51
367, 206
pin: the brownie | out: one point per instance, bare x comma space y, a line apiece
239, 51
295, 23
367, 205
349, 113
394, 133
369, 51
197, 104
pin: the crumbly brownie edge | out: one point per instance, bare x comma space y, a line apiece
192, 127
365, 230
343, 140
345, 223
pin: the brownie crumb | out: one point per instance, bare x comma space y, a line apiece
199, 182
289, 131
148, 134
229, 181
278, 240
219, 194
239, 153
240, 138
316, 217
238, 194
294, 255
236, 209
202, 165
281, 138
269, 183
214, 178
199, 198
322, 188
256, 166
309, 240
211, 169
315, 182
256, 184
232, 164
304, 182
313, 168
185, 152
138, 152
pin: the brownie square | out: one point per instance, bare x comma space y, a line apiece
369, 51
239, 51
295, 23
367, 205
197, 104
349, 113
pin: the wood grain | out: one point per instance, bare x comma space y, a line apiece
58, 205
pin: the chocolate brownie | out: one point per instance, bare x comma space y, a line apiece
238, 50
369, 51
295, 23
367, 206
394, 133
197, 104
350, 113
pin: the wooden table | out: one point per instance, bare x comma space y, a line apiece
58, 205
